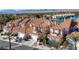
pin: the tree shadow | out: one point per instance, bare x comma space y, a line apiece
72, 28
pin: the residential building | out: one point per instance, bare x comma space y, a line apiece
65, 28
39, 25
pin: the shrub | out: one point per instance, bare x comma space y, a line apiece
27, 37
14, 34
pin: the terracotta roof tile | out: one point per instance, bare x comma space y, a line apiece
24, 21
65, 24
39, 22
36, 23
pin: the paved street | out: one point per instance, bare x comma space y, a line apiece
23, 47
27, 45
5, 44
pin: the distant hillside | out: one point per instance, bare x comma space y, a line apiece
13, 11
7, 11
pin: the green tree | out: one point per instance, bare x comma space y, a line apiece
4, 18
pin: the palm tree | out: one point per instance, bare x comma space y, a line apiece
75, 38
43, 38
57, 42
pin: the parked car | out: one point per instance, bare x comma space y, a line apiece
4, 37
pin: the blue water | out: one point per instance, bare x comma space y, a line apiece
74, 18
61, 19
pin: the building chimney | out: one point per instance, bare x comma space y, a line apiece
55, 23
30, 25
34, 29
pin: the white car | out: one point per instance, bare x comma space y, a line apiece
4, 37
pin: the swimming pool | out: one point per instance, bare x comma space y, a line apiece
61, 19
74, 18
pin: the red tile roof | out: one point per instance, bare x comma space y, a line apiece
65, 24
24, 21
39, 22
